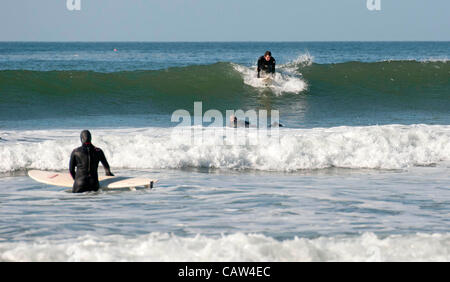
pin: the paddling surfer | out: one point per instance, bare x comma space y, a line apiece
266, 64
86, 159
235, 123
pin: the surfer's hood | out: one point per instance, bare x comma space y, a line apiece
85, 137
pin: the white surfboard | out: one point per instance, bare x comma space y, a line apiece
106, 182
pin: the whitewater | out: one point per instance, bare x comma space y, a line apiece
374, 147
232, 248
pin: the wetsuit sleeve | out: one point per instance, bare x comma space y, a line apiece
259, 67
105, 163
273, 66
72, 164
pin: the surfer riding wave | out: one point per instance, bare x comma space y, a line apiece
266, 64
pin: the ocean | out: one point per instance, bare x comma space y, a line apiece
360, 170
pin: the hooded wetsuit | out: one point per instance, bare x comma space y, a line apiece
86, 159
266, 66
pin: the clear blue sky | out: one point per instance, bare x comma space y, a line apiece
224, 20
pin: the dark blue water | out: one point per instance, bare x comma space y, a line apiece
101, 57
139, 84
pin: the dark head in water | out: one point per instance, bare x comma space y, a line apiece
266, 64
85, 137
235, 123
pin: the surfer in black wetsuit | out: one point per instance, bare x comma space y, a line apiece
266, 64
86, 159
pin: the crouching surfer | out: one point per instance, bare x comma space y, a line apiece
86, 159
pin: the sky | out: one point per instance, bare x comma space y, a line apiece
224, 20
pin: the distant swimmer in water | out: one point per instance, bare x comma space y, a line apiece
276, 124
86, 159
266, 64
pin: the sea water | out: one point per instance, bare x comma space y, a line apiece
360, 170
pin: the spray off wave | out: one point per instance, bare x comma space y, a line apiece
375, 147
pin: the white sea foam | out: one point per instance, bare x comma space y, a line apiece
376, 147
235, 247
436, 59
420, 60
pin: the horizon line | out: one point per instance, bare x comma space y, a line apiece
209, 41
